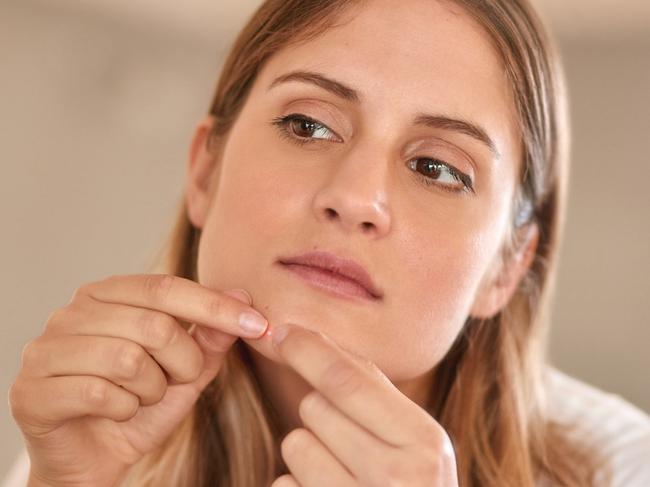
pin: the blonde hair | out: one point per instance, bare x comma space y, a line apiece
488, 390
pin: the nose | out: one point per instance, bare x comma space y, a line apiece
354, 197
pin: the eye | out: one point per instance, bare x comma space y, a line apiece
302, 129
439, 173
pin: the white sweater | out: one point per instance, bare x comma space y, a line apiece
619, 430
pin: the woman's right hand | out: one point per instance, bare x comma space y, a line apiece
114, 372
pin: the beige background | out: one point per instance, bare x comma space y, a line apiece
97, 104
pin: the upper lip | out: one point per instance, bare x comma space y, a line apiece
339, 265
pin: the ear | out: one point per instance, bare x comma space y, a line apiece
201, 165
496, 290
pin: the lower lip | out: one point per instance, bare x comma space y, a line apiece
329, 282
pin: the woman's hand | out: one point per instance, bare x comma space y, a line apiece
360, 430
114, 372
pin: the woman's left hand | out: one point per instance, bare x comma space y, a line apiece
360, 430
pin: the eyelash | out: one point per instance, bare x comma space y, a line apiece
282, 123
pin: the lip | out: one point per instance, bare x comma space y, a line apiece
330, 272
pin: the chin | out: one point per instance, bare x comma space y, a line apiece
293, 308
263, 345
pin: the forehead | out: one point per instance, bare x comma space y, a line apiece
414, 56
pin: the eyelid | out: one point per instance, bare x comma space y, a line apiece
431, 147
302, 116
466, 180
325, 112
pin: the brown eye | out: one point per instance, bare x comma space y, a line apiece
436, 172
303, 127
430, 168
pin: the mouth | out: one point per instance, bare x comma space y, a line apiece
334, 275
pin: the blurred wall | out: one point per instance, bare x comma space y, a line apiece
96, 115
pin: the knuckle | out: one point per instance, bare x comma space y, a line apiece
341, 378
16, 393
157, 329
58, 319
129, 360
158, 286
56, 316
95, 392
84, 289
213, 305
54, 320
29, 354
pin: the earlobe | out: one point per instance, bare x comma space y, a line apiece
494, 294
200, 168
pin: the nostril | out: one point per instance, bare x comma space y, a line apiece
331, 214
367, 226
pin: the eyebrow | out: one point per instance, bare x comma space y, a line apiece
349, 94
335, 87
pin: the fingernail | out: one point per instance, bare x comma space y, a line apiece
240, 294
252, 323
279, 333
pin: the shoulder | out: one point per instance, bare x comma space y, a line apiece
618, 430
19, 471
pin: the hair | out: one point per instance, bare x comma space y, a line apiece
488, 390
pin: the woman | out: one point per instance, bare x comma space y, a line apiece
379, 186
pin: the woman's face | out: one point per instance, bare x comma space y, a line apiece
392, 173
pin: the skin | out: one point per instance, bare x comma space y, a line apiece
114, 371
365, 180
434, 253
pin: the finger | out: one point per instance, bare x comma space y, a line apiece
160, 334
215, 344
67, 398
311, 464
120, 361
374, 403
370, 460
182, 298
285, 481
356, 448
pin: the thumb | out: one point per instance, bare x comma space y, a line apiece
215, 343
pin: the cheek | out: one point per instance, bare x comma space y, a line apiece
442, 261
431, 264
445, 250
256, 206
261, 190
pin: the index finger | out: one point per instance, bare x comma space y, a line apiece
370, 400
180, 297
